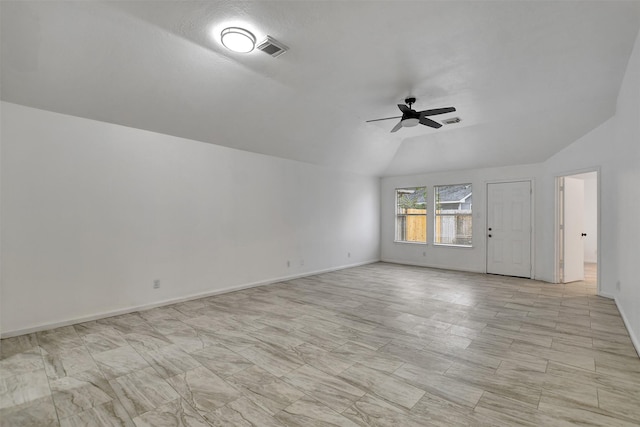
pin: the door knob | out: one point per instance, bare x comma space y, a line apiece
489, 228
489, 235
584, 234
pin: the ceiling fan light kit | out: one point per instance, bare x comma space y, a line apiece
410, 122
411, 117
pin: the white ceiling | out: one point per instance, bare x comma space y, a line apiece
527, 77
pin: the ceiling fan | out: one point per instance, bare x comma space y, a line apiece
411, 117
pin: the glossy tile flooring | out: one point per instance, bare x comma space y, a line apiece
377, 345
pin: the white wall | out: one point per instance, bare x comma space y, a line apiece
93, 212
626, 211
457, 258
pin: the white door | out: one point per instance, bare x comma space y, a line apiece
573, 222
509, 228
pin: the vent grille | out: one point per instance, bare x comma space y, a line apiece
272, 47
452, 121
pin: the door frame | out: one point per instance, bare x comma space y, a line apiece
557, 234
532, 238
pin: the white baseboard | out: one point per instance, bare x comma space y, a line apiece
543, 278
627, 324
607, 295
117, 312
426, 265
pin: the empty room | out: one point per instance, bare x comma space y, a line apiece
319, 213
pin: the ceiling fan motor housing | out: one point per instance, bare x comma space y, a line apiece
410, 118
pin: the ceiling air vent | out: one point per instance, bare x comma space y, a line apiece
451, 121
272, 46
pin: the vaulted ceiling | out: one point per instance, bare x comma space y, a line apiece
527, 77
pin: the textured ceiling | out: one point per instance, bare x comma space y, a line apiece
527, 78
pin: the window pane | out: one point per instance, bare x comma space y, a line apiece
453, 219
411, 214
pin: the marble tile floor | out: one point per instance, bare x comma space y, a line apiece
377, 345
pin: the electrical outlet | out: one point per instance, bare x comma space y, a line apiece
288, 263
424, 254
156, 284
618, 285
301, 262
348, 254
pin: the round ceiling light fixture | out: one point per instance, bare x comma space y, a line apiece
407, 123
238, 39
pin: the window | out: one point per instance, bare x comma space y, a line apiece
453, 214
411, 214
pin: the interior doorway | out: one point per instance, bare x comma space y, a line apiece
577, 202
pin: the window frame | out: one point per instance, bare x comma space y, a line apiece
397, 215
455, 215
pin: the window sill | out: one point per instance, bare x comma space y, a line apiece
410, 243
454, 246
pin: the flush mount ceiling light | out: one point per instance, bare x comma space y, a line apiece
238, 39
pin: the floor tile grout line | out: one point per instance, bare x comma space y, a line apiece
97, 364
55, 407
180, 397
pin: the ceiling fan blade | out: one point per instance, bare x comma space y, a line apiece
387, 118
430, 123
404, 108
398, 126
436, 111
